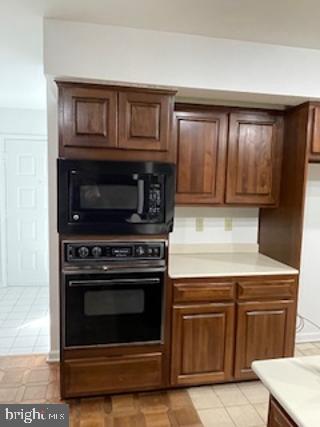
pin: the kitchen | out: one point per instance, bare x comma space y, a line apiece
173, 315
176, 228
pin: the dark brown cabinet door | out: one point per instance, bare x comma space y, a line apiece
265, 330
315, 133
202, 343
145, 121
254, 158
88, 117
201, 143
278, 417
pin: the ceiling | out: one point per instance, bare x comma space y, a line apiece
22, 84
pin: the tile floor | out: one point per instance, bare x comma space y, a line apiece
30, 379
241, 404
24, 320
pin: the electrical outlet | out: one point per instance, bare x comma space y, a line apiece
228, 224
199, 224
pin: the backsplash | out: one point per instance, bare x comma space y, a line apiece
244, 225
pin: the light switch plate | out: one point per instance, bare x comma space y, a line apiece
228, 224
199, 224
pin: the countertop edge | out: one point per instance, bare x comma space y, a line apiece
276, 395
237, 264
253, 274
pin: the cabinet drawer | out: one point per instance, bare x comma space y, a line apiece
111, 374
203, 291
267, 289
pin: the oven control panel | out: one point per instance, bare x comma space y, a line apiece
100, 251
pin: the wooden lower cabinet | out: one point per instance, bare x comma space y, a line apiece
265, 330
278, 417
221, 325
101, 375
202, 343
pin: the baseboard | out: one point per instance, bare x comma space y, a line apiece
307, 337
54, 356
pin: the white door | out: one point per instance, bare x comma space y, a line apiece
26, 211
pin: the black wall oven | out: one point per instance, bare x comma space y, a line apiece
113, 293
104, 309
115, 197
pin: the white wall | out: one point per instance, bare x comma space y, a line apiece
52, 98
244, 229
309, 302
109, 53
21, 121
15, 122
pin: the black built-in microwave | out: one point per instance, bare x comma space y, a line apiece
114, 197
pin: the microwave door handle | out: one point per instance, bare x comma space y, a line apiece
140, 196
108, 282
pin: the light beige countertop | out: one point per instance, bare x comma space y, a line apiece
215, 264
295, 384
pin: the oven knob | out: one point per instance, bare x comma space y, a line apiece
96, 251
140, 251
83, 252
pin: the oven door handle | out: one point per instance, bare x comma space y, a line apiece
107, 282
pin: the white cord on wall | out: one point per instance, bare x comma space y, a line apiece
301, 323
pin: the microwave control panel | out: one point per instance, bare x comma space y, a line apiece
101, 251
154, 200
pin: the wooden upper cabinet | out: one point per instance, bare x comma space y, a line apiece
202, 343
115, 123
314, 142
201, 144
87, 116
145, 121
265, 330
254, 158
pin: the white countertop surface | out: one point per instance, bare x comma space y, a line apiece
213, 264
295, 384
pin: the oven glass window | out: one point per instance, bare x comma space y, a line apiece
113, 308
108, 197
113, 302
